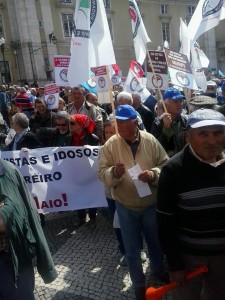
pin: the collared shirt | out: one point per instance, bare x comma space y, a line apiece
134, 145
18, 136
83, 110
215, 164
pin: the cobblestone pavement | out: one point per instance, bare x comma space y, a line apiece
86, 260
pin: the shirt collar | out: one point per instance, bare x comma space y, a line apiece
217, 163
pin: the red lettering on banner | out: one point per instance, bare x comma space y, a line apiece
51, 203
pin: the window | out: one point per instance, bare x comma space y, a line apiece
191, 9
67, 20
1, 27
166, 32
4, 72
110, 27
164, 9
107, 4
65, 1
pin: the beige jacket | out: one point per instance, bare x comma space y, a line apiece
150, 156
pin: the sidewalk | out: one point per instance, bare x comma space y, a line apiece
86, 260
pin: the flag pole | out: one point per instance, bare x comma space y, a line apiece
113, 111
158, 89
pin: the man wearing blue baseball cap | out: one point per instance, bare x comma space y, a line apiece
136, 211
191, 208
169, 127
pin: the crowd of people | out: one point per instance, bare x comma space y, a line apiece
162, 164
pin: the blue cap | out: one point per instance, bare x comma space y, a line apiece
172, 93
205, 117
126, 112
223, 86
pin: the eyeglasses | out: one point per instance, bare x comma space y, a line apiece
72, 123
62, 125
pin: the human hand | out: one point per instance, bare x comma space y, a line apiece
119, 169
147, 176
167, 120
178, 277
25, 149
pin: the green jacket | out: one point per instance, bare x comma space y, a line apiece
24, 231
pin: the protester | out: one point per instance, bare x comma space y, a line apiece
41, 118
134, 148
169, 127
81, 106
109, 130
202, 102
3, 103
13, 110
21, 238
191, 208
57, 135
23, 138
25, 102
145, 113
62, 105
4, 130
93, 99
81, 129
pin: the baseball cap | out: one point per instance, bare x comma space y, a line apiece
205, 117
223, 86
126, 112
172, 93
203, 100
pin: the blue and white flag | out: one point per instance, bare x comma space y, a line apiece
91, 43
207, 15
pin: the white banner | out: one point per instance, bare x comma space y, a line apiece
102, 79
61, 178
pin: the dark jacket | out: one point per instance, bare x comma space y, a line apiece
146, 116
89, 139
52, 134
29, 140
26, 238
172, 138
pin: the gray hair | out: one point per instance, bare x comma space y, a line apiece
124, 96
62, 115
21, 120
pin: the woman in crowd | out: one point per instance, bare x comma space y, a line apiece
81, 134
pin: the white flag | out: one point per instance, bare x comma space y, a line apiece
207, 15
140, 35
102, 53
91, 43
79, 67
184, 39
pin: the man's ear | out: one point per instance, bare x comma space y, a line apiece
187, 136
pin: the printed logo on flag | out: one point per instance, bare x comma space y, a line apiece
134, 17
210, 7
182, 78
93, 12
135, 85
63, 75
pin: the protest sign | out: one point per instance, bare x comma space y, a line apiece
52, 96
60, 178
160, 80
61, 65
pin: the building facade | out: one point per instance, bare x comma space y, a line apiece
36, 30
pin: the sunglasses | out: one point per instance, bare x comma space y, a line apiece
72, 123
61, 125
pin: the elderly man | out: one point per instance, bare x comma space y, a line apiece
139, 152
169, 127
79, 105
191, 208
202, 102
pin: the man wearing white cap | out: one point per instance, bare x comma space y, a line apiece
191, 208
